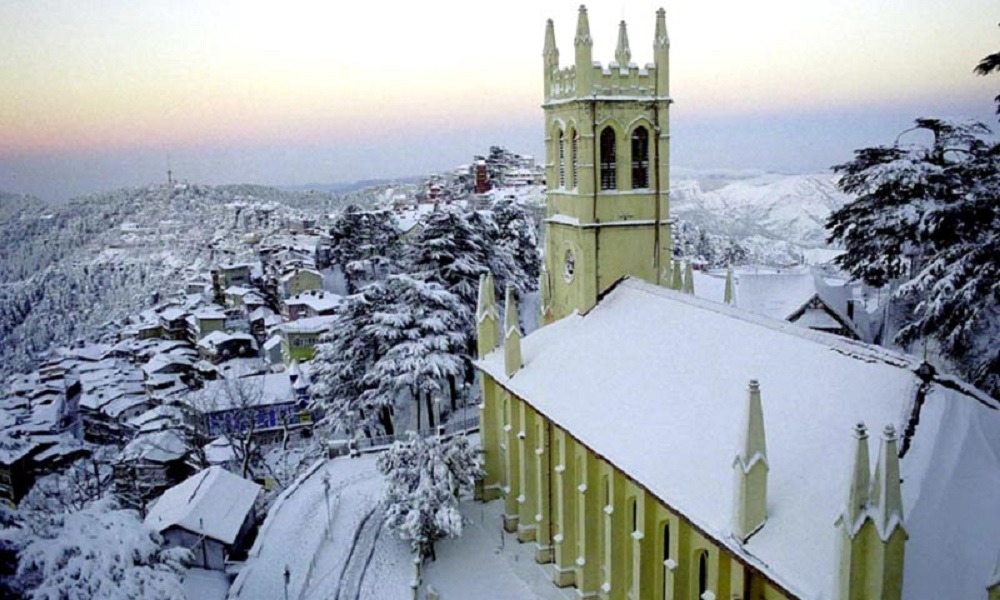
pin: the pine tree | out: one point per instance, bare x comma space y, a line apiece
928, 215
424, 479
362, 243
517, 237
423, 329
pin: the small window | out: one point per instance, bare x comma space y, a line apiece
609, 168
666, 541
635, 515
640, 158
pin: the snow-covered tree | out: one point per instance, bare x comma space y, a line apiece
423, 331
516, 244
424, 478
453, 251
99, 552
76, 487
362, 243
344, 357
927, 215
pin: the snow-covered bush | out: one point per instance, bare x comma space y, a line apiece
100, 552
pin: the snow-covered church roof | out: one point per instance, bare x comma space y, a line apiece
655, 382
212, 502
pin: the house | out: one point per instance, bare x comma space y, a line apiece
312, 303
264, 405
219, 346
229, 275
647, 443
210, 513
802, 297
300, 280
204, 321
299, 338
173, 323
235, 294
151, 463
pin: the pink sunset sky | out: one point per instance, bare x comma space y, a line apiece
98, 95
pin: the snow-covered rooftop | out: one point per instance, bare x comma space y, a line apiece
318, 301
655, 381
213, 503
309, 325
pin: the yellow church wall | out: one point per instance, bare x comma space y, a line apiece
602, 531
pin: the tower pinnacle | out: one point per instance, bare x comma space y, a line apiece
583, 29
623, 55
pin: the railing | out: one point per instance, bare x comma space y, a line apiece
381, 443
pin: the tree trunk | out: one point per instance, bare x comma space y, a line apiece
430, 410
416, 397
453, 392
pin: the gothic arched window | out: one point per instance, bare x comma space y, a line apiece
640, 158
702, 573
609, 168
562, 160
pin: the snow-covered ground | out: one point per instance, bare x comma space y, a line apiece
360, 560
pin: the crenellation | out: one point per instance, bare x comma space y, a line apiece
609, 81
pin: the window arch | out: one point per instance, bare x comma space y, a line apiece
609, 167
702, 573
574, 150
640, 158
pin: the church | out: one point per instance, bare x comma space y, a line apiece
651, 444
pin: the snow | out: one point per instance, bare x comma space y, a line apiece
318, 301
309, 325
775, 295
213, 503
295, 532
205, 584
255, 390
672, 370
158, 447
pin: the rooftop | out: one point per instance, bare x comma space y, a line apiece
671, 370
213, 503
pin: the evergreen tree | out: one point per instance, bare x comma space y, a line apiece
517, 238
452, 250
362, 243
928, 215
343, 359
422, 328
424, 480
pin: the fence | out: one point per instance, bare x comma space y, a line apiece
382, 442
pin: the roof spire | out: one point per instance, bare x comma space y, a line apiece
550, 52
660, 38
677, 283
886, 496
750, 468
583, 29
623, 55
487, 317
857, 493
512, 335
727, 296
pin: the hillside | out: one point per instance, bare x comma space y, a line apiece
755, 205
72, 271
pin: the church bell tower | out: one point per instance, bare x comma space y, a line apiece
607, 150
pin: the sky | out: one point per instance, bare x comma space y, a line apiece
99, 95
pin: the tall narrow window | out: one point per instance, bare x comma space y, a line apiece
574, 149
562, 160
635, 515
666, 540
702, 573
640, 158
608, 166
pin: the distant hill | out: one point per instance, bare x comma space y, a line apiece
352, 186
748, 204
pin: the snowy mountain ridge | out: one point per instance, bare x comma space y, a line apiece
748, 204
